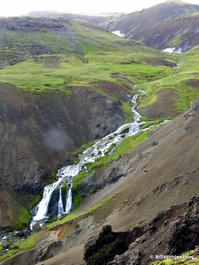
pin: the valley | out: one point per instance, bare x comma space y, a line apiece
64, 85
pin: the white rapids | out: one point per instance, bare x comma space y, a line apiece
65, 174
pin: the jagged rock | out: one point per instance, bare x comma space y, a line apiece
102, 249
35, 183
158, 237
155, 143
49, 251
36, 227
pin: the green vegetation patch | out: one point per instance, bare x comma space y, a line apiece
127, 111
186, 71
102, 251
20, 245
84, 147
24, 219
100, 57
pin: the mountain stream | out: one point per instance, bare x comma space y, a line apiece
66, 174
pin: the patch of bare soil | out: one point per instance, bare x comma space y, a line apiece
193, 83
158, 61
49, 62
163, 106
114, 90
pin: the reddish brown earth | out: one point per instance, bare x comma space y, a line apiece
194, 84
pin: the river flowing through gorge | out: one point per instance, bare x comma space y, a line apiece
65, 174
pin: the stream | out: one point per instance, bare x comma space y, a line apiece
65, 174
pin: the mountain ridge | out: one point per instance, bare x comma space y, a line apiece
162, 26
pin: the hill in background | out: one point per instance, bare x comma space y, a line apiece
166, 25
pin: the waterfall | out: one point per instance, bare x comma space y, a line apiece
42, 208
65, 174
68, 201
60, 203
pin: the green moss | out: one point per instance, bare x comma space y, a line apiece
64, 190
77, 200
177, 39
35, 200
127, 112
84, 147
20, 245
150, 122
29, 243
111, 147
9, 254
102, 251
24, 219
77, 180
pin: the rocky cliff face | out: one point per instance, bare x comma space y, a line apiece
38, 132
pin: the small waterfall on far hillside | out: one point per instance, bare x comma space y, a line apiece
100, 148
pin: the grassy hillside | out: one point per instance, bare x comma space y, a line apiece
86, 55
182, 84
59, 55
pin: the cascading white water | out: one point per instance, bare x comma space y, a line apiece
42, 208
60, 203
65, 174
69, 201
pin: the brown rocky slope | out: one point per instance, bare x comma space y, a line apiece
158, 174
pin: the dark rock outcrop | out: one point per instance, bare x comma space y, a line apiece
100, 250
172, 232
35, 183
